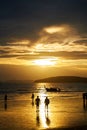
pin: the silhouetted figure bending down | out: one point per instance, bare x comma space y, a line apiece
47, 101
37, 101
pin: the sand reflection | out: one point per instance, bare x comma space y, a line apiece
63, 111
5, 105
37, 118
47, 118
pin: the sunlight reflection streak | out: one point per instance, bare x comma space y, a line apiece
42, 110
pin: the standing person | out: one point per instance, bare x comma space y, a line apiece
37, 102
32, 99
5, 102
32, 96
5, 97
47, 101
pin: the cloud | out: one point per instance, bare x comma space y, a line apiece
81, 42
63, 34
34, 29
23, 20
53, 29
45, 55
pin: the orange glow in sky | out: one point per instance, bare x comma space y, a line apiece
45, 62
54, 29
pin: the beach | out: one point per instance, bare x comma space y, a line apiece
71, 128
65, 111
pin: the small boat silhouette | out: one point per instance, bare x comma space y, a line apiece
52, 89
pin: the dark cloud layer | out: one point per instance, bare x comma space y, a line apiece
23, 19
81, 42
74, 55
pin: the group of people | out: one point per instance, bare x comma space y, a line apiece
37, 102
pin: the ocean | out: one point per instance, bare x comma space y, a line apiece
66, 108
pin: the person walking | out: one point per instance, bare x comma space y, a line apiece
47, 101
37, 101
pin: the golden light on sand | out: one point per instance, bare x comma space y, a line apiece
45, 62
43, 110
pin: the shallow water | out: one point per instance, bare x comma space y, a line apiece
66, 108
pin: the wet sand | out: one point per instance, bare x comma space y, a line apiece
70, 128
65, 112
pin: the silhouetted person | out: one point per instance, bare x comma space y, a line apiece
5, 102
85, 101
5, 98
32, 99
32, 96
37, 101
46, 102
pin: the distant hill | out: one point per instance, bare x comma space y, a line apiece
64, 79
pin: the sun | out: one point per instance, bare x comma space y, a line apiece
45, 62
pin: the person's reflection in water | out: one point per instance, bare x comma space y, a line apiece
47, 118
37, 119
5, 105
32, 103
5, 102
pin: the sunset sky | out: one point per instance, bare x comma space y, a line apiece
42, 38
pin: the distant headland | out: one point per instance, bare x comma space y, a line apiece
63, 79
57, 79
